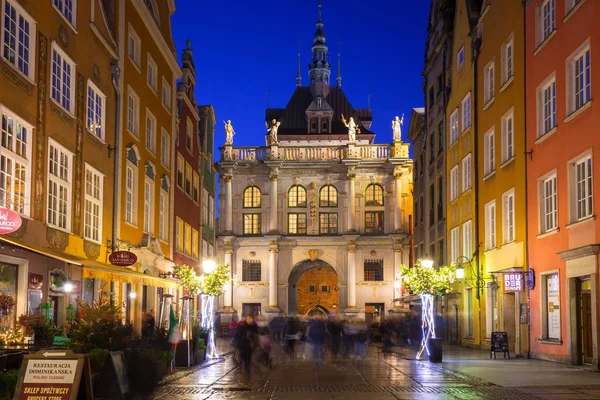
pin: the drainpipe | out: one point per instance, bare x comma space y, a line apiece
479, 278
115, 72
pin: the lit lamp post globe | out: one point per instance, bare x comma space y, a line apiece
460, 272
209, 266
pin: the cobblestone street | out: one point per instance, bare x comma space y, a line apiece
379, 376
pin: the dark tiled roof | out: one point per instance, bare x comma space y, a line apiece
293, 116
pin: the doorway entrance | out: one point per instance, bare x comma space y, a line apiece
585, 315
374, 312
509, 318
313, 285
452, 319
252, 309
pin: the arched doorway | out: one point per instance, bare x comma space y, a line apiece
313, 287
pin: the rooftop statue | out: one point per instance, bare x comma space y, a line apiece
352, 128
229, 132
272, 129
397, 128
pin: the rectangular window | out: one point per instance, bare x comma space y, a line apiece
130, 185
454, 183
571, 4
148, 206
204, 207
134, 47
454, 244
204, 250
460, 57
551, 306
133, 113
195, 186
470, 313
467, 231
508, 60
441, 251
188, 179
583, 189
440, 202
548, 204
180, 170
251, 223
150, 132
373, 270
66, 8
431, 204
189, 134
580, 80
547, 106
466, 173
96, 111
297, 224
251, 271
454, 127
163, 222
18, 38
508, 136
490, 225
211, 212
166, 94
92, 221
328, 223
63, 79
466, 112
548, 19
508, 213
431, 147
488, 76
187, 239
59, 186
373, 222
195, 244
489, 157
179, 234
440, 137
165, 148
15, 162
152, 73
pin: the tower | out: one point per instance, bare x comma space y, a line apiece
319, 69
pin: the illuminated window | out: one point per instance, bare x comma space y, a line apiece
374, 195
328, 196
297, 196
252, 197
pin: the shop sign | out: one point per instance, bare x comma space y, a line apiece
10, 221
513, 281
122, 258
36, 281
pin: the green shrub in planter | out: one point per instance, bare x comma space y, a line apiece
97, 359
8, 383
146, 367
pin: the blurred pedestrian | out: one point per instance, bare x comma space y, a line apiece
316, 337
248, 341
290, 334
335, 334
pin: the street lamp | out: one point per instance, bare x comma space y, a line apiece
460, 274
427, 262
209, 266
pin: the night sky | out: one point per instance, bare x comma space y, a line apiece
246, 49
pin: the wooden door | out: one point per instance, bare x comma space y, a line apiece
586, 327
508, 319
452, 318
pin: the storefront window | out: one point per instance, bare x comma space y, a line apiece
552, 306
88, 290
8, 286
34, 293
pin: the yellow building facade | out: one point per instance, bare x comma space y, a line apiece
465, 304
501, 162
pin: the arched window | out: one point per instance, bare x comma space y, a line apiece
325, 125
374, 195
328, 196
297, 196
252, 197
314, 124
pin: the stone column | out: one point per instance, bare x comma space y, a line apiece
398, 199
351, 275
273, 205
351, 202
227, 292
273, 276
228, 203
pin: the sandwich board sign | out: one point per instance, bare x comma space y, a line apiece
54, 375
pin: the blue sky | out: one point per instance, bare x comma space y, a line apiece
245, 50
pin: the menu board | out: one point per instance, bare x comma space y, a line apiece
553, 297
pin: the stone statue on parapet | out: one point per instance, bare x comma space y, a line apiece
272, 129
352, 128
397, 128
229, 132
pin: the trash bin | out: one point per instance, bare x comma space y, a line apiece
435, 350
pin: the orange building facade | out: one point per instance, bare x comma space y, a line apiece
562, 177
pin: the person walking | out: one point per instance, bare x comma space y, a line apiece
316, 337
335, 334
248, 341
290, 332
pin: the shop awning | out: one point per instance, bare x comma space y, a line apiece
95, 269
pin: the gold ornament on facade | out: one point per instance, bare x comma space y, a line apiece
252, 254
313, 254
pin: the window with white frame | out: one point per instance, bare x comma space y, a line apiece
96, 111
67, 9
150, 131
546, 106
508, 135
570, 4
551, 310
165, 148
454, 183
546, 20
460, 57
130, 196
15, 162
166, 94
148, 205
92, 221
583, 190
63, 79
454, 244
195, 186
152, 73
508, 59
467, 231
579, 84
466, 173
195, 244
189, 134
178, 234
211, 212
490, 225
489, 155
470, 322
134, 47
453, 127
18, 38
59, 186
204, 207
163, 218
466, 112
488, 82
508, 214
548, 205
133, 112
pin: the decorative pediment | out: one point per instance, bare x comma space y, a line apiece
165, 183
150, 170
133, 154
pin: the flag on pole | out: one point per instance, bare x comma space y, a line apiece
173, 335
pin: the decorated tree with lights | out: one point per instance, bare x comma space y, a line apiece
427, 282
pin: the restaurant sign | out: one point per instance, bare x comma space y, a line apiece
513, 281
122, 258
10, 221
